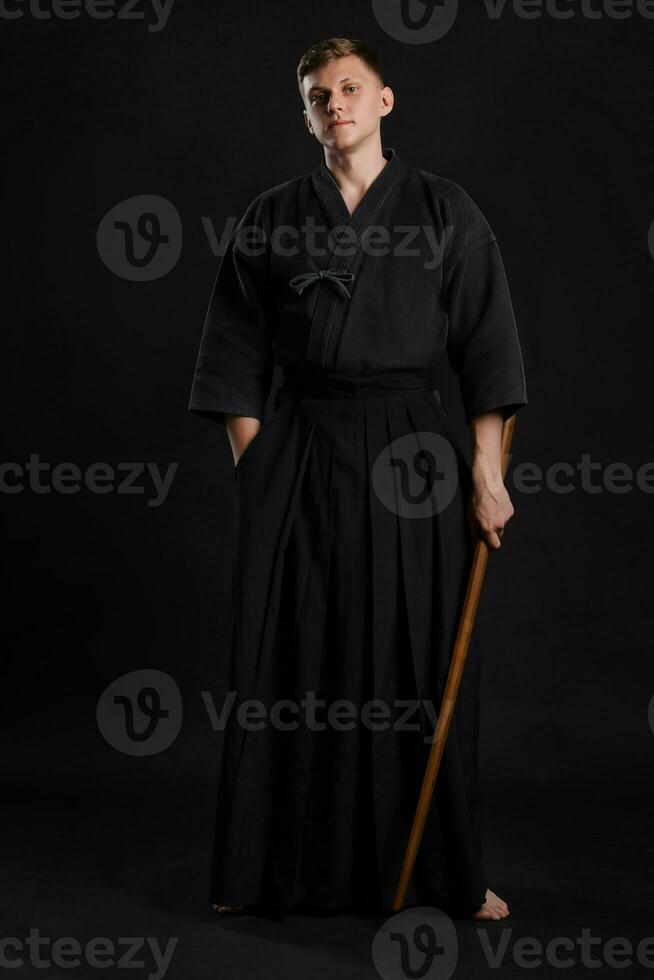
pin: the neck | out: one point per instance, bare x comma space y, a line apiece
356, 168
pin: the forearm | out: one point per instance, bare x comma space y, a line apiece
241, 430
490, 505
487, 449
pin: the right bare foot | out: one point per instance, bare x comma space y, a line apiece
493, 908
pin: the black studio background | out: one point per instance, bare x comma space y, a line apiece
547, 123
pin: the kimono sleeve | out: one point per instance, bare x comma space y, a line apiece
234, 367
482, 337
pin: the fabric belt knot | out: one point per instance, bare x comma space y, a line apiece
305, 279
313, 383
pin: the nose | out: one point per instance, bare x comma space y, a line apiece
334, 103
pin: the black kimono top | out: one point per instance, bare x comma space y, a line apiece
413, 272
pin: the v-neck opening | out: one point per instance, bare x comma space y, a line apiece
334, 202
365, 193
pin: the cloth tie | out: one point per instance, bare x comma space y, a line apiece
305, 279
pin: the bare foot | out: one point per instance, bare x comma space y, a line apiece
493, 908
226, 909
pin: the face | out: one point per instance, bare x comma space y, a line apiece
344, 102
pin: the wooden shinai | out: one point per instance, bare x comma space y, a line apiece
457, 663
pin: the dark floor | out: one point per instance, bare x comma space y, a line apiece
125, 854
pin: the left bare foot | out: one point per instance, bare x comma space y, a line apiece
493, 908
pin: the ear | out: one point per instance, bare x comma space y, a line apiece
307, 120
387, 99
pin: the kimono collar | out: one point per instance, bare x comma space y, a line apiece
330, 195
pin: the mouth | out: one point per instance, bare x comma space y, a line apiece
340, 122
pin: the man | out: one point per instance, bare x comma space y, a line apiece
355, 506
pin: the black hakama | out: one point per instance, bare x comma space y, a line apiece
352, 547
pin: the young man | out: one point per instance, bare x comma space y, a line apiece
356, 511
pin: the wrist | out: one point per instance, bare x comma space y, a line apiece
486, 473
